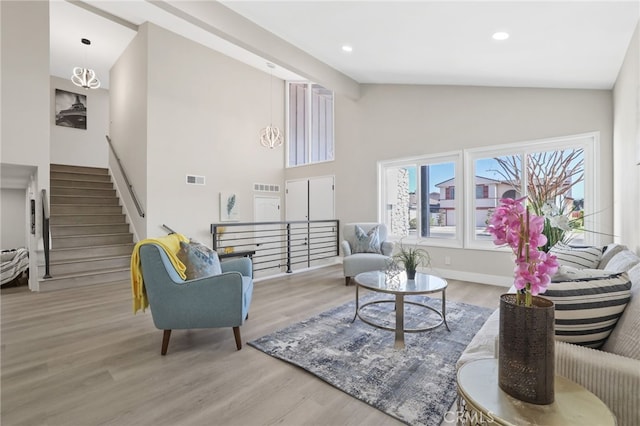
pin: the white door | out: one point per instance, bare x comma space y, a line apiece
321, 207
269, 248
297, 209
297, 200
308, 199
321, 198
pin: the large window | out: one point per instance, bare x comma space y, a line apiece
423, 197
419, 199
310, 122
556, 175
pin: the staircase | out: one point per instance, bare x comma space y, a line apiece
90, 239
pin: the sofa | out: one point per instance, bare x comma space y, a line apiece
611, 372
14, 263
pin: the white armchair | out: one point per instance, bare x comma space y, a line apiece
357, 262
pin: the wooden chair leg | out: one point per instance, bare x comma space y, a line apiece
165, 342
347, 280
236, 334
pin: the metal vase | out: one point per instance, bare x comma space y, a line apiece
526, 360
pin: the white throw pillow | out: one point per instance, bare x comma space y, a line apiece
577, 257
366, 242
625, 337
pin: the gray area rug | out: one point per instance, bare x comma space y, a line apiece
416, 385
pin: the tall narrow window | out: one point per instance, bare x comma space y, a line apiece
310, 116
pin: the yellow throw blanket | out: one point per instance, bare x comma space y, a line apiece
171, 245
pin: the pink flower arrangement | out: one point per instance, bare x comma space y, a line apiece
511, 224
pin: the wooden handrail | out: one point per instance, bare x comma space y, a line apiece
126, 180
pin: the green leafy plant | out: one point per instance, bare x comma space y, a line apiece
412, 257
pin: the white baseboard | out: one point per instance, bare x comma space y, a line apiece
298, 271
497, 280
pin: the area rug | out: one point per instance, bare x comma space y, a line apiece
416, 385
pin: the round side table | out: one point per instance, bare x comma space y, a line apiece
481, 401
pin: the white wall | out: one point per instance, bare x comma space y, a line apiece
77, 146
13, 218
201, 113
626, 146
128, 127
25, 99
395, 121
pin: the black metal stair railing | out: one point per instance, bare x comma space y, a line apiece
45, 233
278, 246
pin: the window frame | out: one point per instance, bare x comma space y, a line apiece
588, 142
308, 121
455, 157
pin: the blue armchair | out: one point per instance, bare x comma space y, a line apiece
215, 301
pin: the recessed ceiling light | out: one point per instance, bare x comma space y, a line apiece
500, 35
347, 48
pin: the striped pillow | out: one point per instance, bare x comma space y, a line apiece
586, 310
577, 257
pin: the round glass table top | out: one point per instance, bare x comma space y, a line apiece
398, 283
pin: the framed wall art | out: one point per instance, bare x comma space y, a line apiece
228, 207
71, 109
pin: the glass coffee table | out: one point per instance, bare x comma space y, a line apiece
400, 286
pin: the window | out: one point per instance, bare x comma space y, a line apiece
482, 191
418, 195
310, 123
450, 193
418, 199
533, 169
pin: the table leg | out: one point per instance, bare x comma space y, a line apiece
356, 314
399, 341
444, 308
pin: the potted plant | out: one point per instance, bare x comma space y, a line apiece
411, 258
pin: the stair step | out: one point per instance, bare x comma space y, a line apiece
105, 228
86, 219
80, 176
78, 169
75, 199
83, 279
57, 209
80, 183
62, 254
90, 240
94, 192
75, 266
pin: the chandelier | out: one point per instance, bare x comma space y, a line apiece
85, 77
270, 136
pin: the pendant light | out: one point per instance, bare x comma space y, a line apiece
270, 136
85, 77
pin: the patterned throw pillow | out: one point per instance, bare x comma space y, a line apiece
366, 242
577, 257
586, 310
199, 259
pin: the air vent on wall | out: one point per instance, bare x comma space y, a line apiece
195, 180
265, 187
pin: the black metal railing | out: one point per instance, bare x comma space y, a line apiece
45, 232
278, 246
126, 180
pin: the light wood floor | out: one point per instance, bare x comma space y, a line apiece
80, 357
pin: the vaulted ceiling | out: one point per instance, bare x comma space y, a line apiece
565, 44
